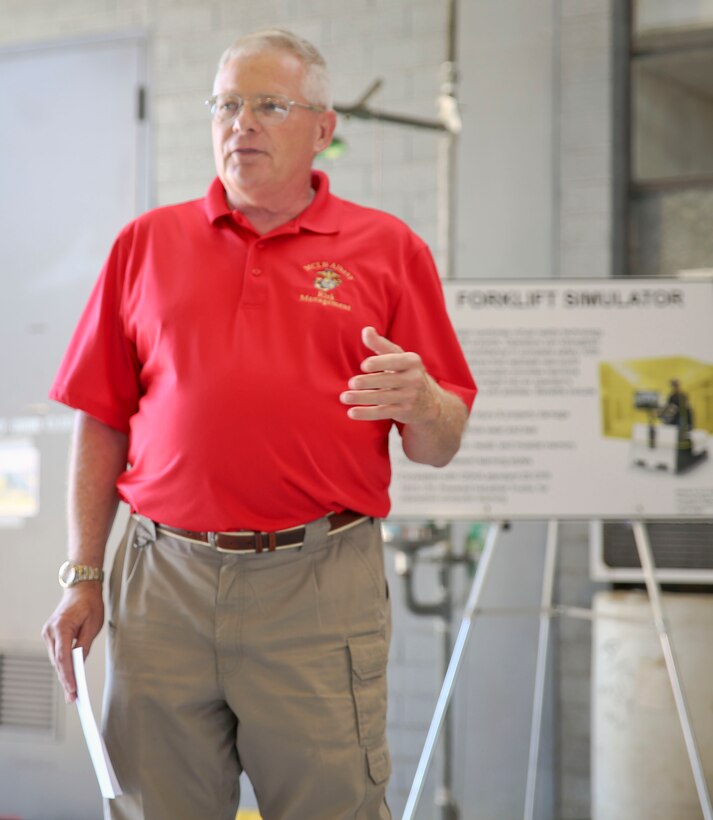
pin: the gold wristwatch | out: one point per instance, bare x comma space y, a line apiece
71, 574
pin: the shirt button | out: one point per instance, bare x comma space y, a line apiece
256, 271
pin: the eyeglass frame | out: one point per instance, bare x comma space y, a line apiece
212, 101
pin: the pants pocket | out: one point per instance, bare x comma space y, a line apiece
379, 763
126, 562
368, 655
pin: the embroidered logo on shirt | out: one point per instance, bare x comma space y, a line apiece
327, 277
327, 280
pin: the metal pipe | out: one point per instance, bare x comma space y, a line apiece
404, 568
446, 229
448, 147
364, 112
444, 793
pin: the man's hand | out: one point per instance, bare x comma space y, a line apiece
76, 622
394, 385
98, 457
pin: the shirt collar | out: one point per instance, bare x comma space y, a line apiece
320, 216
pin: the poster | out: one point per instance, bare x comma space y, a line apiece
19, 479
595, 400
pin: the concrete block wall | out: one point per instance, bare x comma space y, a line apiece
572, 676
586, 192
401, 42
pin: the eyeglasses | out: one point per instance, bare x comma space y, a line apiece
268, 108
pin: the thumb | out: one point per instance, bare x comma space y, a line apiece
379, 344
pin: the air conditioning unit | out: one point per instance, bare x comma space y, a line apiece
682, 551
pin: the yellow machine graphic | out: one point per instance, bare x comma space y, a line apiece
664, 405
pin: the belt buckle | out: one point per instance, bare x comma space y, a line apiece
213, 541
262, 542
258, 545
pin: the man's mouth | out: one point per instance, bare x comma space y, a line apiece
246, 152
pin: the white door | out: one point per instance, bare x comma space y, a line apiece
73, 171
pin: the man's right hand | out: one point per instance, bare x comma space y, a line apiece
76, 622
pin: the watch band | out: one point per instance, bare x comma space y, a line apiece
71, 573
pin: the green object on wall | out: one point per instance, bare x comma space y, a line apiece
336, 149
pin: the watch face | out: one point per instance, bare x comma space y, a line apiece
67, 574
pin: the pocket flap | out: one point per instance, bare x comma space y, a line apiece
379, 762
369, 654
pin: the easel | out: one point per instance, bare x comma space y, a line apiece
547, 610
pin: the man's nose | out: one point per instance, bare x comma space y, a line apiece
245, 120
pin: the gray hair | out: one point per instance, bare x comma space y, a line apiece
316, 83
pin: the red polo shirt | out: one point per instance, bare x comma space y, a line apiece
222, 353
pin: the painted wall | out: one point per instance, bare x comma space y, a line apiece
506, 178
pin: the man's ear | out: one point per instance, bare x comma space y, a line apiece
326, 122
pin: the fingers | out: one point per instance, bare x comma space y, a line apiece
391, 362
385, 380
76, 622
393, 384
376, 412
387, 390
377, 343
390, 383
390, 356
380, 399
59, 648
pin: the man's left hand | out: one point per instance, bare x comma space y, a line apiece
394, 385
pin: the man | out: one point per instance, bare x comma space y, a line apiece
246, 355
677, 410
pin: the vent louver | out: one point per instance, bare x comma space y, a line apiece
674, 545
27, 693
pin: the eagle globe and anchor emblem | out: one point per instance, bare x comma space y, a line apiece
327, 280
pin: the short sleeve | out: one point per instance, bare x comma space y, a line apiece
421, 324
100, 371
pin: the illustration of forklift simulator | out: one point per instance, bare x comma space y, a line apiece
669, 440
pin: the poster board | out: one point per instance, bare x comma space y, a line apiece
579, 382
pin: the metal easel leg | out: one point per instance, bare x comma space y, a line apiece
653, 588
447, 686
538, 700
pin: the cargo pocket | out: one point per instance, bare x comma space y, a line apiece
379, 762
369, 654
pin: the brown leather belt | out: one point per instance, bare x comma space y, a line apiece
253, 541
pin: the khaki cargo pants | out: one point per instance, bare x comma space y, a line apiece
272, 663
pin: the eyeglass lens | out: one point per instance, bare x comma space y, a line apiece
267, 107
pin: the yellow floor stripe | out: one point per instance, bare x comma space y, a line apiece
248, 814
